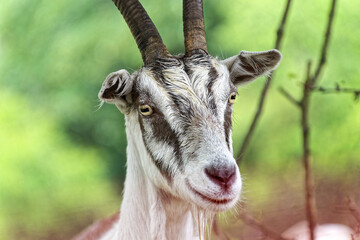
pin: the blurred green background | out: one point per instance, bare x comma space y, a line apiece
63, 159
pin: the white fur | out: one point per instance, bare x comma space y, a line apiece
143, 213
153, 207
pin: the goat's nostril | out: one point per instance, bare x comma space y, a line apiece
223, 175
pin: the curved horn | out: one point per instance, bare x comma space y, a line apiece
143, 29
194, 29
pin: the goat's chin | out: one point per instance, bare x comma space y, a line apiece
214, 201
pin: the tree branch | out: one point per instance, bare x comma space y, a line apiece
289, 97
261, 227
325, 44
354, 209
218, 232
280, 30
308, 87
309, 181
279, 37
338, 89
305, 103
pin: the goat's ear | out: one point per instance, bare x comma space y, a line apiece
247, 66
116, 89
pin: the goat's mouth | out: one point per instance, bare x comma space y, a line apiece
215, 201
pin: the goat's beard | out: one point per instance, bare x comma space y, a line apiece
203, 221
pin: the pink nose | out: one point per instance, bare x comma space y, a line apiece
224, 176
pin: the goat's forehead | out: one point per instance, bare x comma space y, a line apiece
191, 78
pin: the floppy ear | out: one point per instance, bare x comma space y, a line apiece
247, 66
116, 89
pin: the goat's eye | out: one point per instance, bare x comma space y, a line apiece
232, 98
145, 110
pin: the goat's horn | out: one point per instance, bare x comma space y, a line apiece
194, 29
143, 29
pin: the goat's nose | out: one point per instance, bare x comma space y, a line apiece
223, 176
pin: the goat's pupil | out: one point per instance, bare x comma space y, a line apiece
144, 110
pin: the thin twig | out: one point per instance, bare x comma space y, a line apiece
338, 89
261, 227
217, 230
325, 44
280, 30
353, 237
279, 37
289, 96
354, 209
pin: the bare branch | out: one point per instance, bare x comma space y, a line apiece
338, 89
309, 181
280, 30
305, 103
308, 87
289, 97
354, 209
217, 230
261, 227
279, 37
325, 44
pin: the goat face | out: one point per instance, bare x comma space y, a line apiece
183, 108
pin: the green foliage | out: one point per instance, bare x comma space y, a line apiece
44, 177
61, 156
278, 134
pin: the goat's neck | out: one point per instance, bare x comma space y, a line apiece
147, 212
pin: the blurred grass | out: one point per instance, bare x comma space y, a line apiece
62, 162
